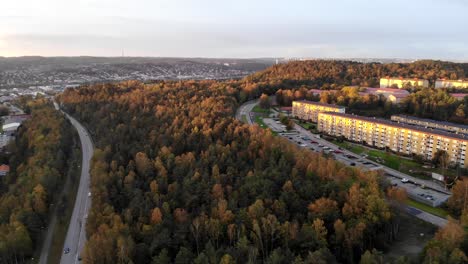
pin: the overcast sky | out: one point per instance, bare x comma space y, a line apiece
236, 28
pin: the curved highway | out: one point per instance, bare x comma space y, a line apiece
76, 234
245, 110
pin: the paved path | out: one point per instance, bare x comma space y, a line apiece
76, 235
426, 217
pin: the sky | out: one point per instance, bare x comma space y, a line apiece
414, 29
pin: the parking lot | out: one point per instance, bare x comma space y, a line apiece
416, 189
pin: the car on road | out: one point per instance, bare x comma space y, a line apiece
404, 180
89, 194
66, 250
337, 152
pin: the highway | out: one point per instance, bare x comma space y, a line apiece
438, 193
76, 234
245, 110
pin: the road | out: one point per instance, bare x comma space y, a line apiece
245, 110
438, 194
76, 234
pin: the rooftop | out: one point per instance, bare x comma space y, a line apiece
386, 90
320, 104
14, 125
445, 123
4, 168
458, 94
400, 125
402, 78
446, 80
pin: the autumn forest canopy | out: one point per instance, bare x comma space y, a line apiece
176, 178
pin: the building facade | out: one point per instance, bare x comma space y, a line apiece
429, 123
402, 82
308, 110
442, 83
398, 137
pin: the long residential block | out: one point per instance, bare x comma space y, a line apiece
308, 110
403, 82
442, 83
402, 138
429, 123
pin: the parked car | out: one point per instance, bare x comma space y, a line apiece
404, 180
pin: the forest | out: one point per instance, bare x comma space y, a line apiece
176, 179
331, 75
37, 162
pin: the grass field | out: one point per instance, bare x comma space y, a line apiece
244, 119
258, 109
259, 121
426, 208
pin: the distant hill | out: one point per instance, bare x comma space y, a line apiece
320, 72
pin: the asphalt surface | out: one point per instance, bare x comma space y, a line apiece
433, 194
76, 234
245, 110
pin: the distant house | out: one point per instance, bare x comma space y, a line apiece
4, 170
393, 95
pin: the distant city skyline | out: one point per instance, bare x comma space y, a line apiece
431, 29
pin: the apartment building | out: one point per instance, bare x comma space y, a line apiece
429, 123
402, 138
389, 82
308, 110
442, 83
